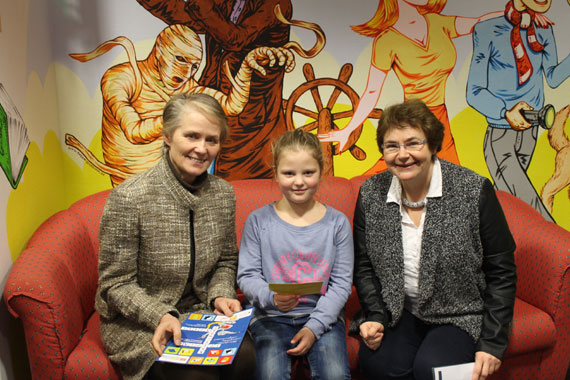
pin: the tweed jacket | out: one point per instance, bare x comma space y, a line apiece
148, 227
467, 273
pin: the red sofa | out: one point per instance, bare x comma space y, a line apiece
52, 285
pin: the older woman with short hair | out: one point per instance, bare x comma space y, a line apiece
434, 257
168, 248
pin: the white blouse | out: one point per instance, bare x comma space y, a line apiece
412, 236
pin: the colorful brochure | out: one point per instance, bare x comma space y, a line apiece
208, 339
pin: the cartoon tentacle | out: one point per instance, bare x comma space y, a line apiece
90, 158
295, 46
108, 45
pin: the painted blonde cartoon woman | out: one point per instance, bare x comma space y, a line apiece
414, 40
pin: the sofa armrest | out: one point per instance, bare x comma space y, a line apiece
542, 257
51, 287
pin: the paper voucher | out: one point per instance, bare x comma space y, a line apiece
301, 288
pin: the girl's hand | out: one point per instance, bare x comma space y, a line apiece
285, 302
304, 340
169, 326
226, 306
372, 334
485, 365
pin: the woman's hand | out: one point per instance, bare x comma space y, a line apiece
285, 302
304, 340
372, 334
485, 365
169, 326
226, 306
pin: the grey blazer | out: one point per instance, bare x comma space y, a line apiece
149, 225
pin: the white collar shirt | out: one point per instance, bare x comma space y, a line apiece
412, 236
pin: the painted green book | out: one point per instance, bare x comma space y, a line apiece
14, 140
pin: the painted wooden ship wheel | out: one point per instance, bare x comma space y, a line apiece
322, 117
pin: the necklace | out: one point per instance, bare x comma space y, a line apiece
410, 204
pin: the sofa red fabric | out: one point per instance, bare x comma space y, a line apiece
540, 341
52, 285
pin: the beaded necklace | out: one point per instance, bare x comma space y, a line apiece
410, 204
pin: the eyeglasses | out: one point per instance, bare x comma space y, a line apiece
410, 146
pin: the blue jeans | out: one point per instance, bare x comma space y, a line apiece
328, 358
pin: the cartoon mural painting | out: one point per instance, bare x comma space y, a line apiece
232, 28
58, 115
312, 108
135, 92
559, 141
511, 56
14, 140
412, 38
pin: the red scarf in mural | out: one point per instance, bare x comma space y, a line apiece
523, 20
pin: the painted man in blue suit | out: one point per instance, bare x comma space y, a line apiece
511, 55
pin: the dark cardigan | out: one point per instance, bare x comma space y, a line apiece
467, 272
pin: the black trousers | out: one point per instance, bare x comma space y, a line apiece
412, 348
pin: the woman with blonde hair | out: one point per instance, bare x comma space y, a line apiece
168, 248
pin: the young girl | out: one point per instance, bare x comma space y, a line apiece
297, 239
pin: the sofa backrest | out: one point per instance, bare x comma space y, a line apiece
87, 213
74, 231
252, 194
77, 228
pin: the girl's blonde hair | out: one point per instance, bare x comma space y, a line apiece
297, 139
387, 14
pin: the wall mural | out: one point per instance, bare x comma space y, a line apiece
134, 95
559, 141
82, 91
248, 53
275, 65
415, 41
505, 81
14, 140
